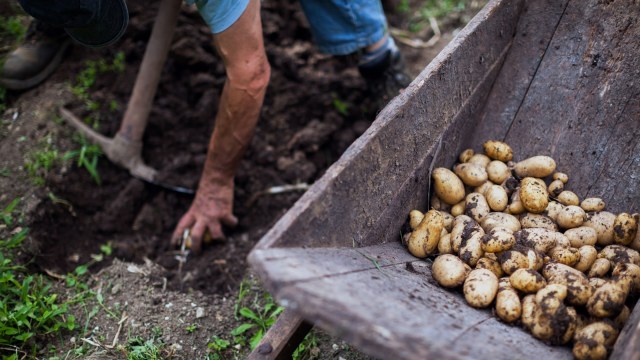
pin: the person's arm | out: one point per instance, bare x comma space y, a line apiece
242, 50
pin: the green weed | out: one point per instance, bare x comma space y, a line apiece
40, 161
27, 307
86, 156
257, 320
437, 9
7, 214
138, 348
341, 106
308, 349
89, 75
191, 328
12, 27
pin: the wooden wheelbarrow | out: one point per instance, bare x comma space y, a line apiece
553, 77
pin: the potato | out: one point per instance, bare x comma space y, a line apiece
497, 240
424, 239
480, 159
608, 300
497, 198
592, 204
630, 271
553, 209
466, 155
568, 198
480, 288
458, 209
447, 186
561, 176
471, 174
571, 217
582, 235
483, 188
498, 172
596, 282
520, 258
536, 166
555, 188
550, 298
624, 229
495, 219
534, 196
448, 220
588, 255
476, 206
471, 246
529, 309
516, 206
438, 204
635, 244
579, 290
600, 268
622, 318
449, 271
591, 342
527, 280
460, 223
602, 223
508, 306
444, 245
542, 240
620, 254
490, 264
568, 256
415, 217
498, 150
529, 220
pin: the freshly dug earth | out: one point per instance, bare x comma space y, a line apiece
316, 105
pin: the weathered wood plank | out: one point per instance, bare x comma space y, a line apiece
628, 344
399, 312
283, 337
358, 188
583, 105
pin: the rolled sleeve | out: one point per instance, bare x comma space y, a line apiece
220, 14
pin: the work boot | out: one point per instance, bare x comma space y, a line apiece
384, 73
36, 58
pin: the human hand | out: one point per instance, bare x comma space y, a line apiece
211, 207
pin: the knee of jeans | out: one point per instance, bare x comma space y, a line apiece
251, 75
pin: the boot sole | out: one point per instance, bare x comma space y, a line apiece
25, 84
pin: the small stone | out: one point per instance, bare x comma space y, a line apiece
335, 347
176, 347
116, 288
199, 313
72, 340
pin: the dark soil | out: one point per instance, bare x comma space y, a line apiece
315, 107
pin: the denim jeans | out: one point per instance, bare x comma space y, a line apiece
339, 27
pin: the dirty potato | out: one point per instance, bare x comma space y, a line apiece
528, 281
471, 174
462, 226
508, 306
588, 255
476, 206
482, 189
498, 219
592, 204
624, 229
490, 264
571, 217
466, 155
424, 239
582, 235
515, 206
415, 217
620, 254
497, 240
608, 300
444, 245
553, 209
497, 198
498, 171
480, 288
537, 166
561, 176
533, 195
471, 246
458, 209
530, 220
591, 341
438, 204
602, 223
568, 256
498, 150
480, 159
520, 258
600, 268
567, 198
542, 240
555, 188
447, 185
579, 290
449, 271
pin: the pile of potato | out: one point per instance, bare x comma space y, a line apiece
561, 267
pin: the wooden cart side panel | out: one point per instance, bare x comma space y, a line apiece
397, 311
354, 198
583, 105
538, 23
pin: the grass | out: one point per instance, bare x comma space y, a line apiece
437, 9
86, 156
